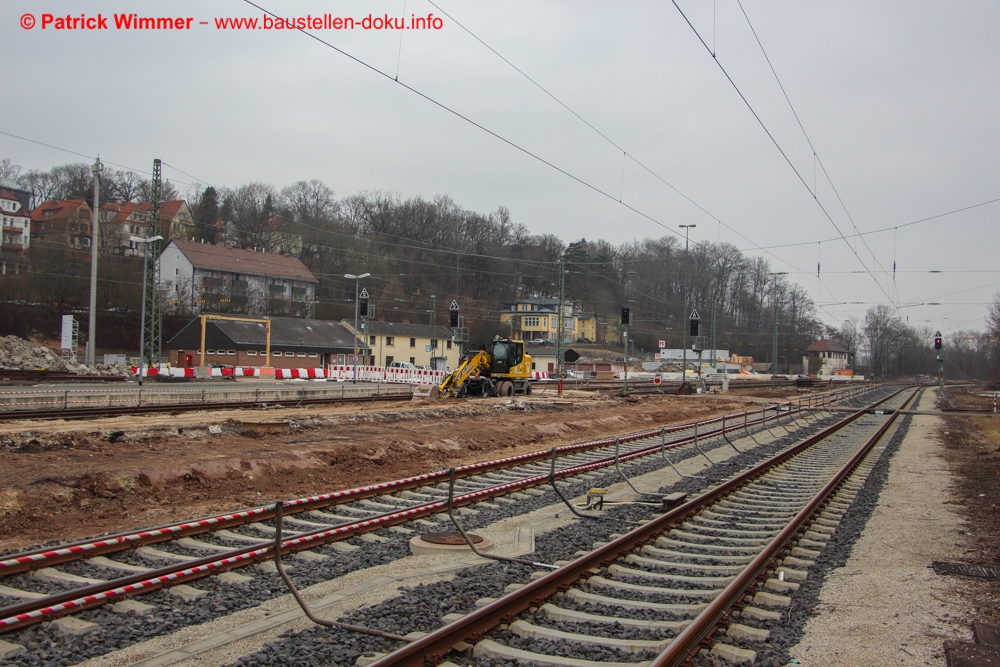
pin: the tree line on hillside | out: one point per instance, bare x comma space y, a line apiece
417, 247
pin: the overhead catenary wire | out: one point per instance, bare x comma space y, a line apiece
774, 141
612, 142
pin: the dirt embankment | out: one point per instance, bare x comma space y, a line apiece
972, 447
82, 480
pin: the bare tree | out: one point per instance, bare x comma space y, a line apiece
9, 170
253, 214
309, 203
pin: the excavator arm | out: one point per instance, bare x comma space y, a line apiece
476, 363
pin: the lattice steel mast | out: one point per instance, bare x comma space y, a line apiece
153, 323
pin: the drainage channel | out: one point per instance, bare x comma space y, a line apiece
392, 541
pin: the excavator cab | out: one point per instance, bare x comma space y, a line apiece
504, 355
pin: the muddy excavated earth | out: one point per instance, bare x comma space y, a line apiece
69, 480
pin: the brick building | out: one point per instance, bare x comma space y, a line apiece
295, 343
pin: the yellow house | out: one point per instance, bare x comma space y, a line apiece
394, 341
537, 318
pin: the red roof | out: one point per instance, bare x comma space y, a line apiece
58, 209
7, 194
826, 346
233, 260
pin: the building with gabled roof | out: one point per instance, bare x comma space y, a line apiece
202, 277
403, 341
295, 343
16, 229
537, 318
122, 220
825, 357
62, 223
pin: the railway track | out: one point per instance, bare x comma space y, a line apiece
46, 584
699, 583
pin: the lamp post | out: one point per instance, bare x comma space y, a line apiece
357, 281
145, 271
684, 338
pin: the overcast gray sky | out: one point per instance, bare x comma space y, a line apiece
899, 100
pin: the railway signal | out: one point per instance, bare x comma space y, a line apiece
937, 341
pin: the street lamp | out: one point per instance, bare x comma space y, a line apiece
684, 329
142, 319
357, 281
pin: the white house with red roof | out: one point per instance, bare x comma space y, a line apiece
16, 222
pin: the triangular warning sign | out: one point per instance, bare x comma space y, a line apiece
454, 305
695, 315
364, 293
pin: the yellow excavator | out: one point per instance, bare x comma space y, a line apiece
499, 369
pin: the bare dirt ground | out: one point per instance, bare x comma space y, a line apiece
70, 480
972, 448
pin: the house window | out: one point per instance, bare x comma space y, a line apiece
211, 352
276, 354
251, 353
389, 340
388, 361
313, 355
413, 343
448, 344
231, 353
177, 271
371, 340
530, 322
301, 354
413, 360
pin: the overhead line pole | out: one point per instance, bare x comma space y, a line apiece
95, 235
684, 340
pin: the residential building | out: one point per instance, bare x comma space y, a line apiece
120, 221
825, 357
295, 343
538, 318
283, 240
16, 222
62, 223
395, 341
201, 277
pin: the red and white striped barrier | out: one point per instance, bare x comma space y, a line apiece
367, 373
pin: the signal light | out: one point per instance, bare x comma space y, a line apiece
937, 342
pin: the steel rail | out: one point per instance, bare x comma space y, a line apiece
433, 647
689, 641
35, 611
47, 557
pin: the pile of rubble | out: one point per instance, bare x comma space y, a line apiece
21, 355
669, 368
